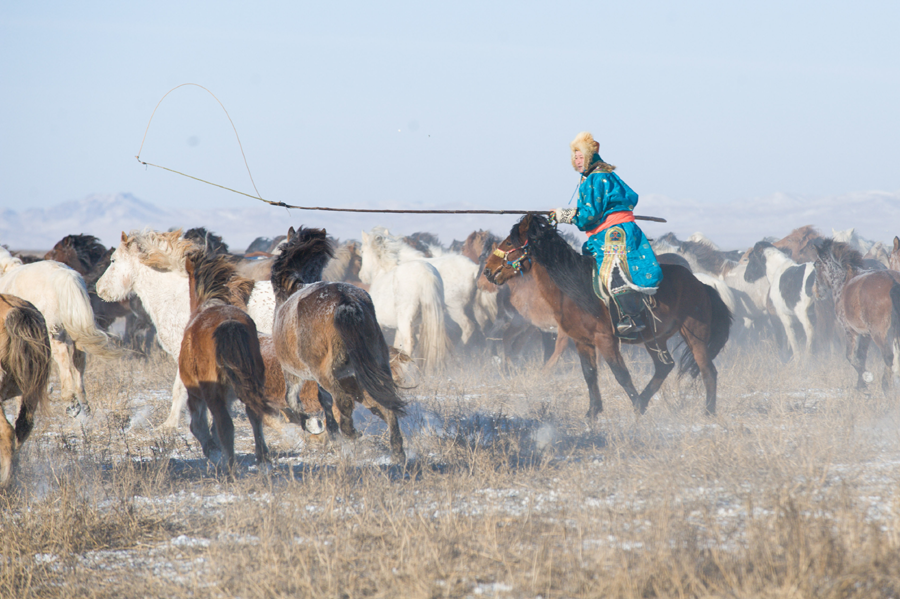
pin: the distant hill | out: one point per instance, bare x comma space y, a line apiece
735, 224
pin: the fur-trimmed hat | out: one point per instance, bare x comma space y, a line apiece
584, 143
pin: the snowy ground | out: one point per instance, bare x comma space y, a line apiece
503, 475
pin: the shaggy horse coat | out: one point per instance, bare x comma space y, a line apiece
24, 370
219, 357
867, 305
327, 332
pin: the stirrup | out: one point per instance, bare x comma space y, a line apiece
629, 325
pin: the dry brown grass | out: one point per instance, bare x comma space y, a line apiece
790, 492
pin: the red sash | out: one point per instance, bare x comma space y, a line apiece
616, 218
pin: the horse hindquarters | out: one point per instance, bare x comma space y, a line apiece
369, 359
25, 363
238, 358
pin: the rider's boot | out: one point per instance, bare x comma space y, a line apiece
631, 305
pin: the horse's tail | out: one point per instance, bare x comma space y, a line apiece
895, 326
78, 317
25, 356
719, 328
367, 351
433, 332
238, 358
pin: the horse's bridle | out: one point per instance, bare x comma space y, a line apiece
516, 264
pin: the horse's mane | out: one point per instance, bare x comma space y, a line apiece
385, 247
160, 251
208, 239
301, 261
840, 254
7, 260
87, 248
570, 270
93, 275
215, 279
478, 245
337, 267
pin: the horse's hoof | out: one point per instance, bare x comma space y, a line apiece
314, 425
79, 410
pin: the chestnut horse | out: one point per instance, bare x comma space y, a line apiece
520, 310
328, 332
681, 305
219, 356
24, 370
866, 303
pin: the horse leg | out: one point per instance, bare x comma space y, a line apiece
788, 324
223, 425
588, 356
608, 346
806, 323
342, 403
662, 366
857, 349
179, 401
393, 423
62, 349
562, 342
79, 360
259, 438
200, 427
696, 336
7, 447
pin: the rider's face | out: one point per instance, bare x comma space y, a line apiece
579, 161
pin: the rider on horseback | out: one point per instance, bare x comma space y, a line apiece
627, 269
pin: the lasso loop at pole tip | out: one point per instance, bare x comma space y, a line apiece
144, 139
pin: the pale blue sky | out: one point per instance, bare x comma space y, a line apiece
425, 104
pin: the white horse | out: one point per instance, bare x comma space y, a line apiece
405, 295
151, 265
457, 272
59, 293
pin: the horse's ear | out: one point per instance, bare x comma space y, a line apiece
124, 237
365, 237
291, 233
896, 243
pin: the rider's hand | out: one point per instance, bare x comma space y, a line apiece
564, 215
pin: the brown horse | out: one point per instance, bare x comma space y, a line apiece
521, 310
219, 357
682, 305
800, 244
328, 332
867, 305
24, 370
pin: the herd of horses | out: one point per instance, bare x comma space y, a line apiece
302, 324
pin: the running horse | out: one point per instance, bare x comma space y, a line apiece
866, 303
328, 332
682, 305
220, 357
24, 370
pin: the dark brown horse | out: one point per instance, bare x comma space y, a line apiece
866, 303
24, 370
682, 305
220, 357
328, 332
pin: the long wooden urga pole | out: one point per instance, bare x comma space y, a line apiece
655, 219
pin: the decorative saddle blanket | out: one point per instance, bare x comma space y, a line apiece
620, 268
